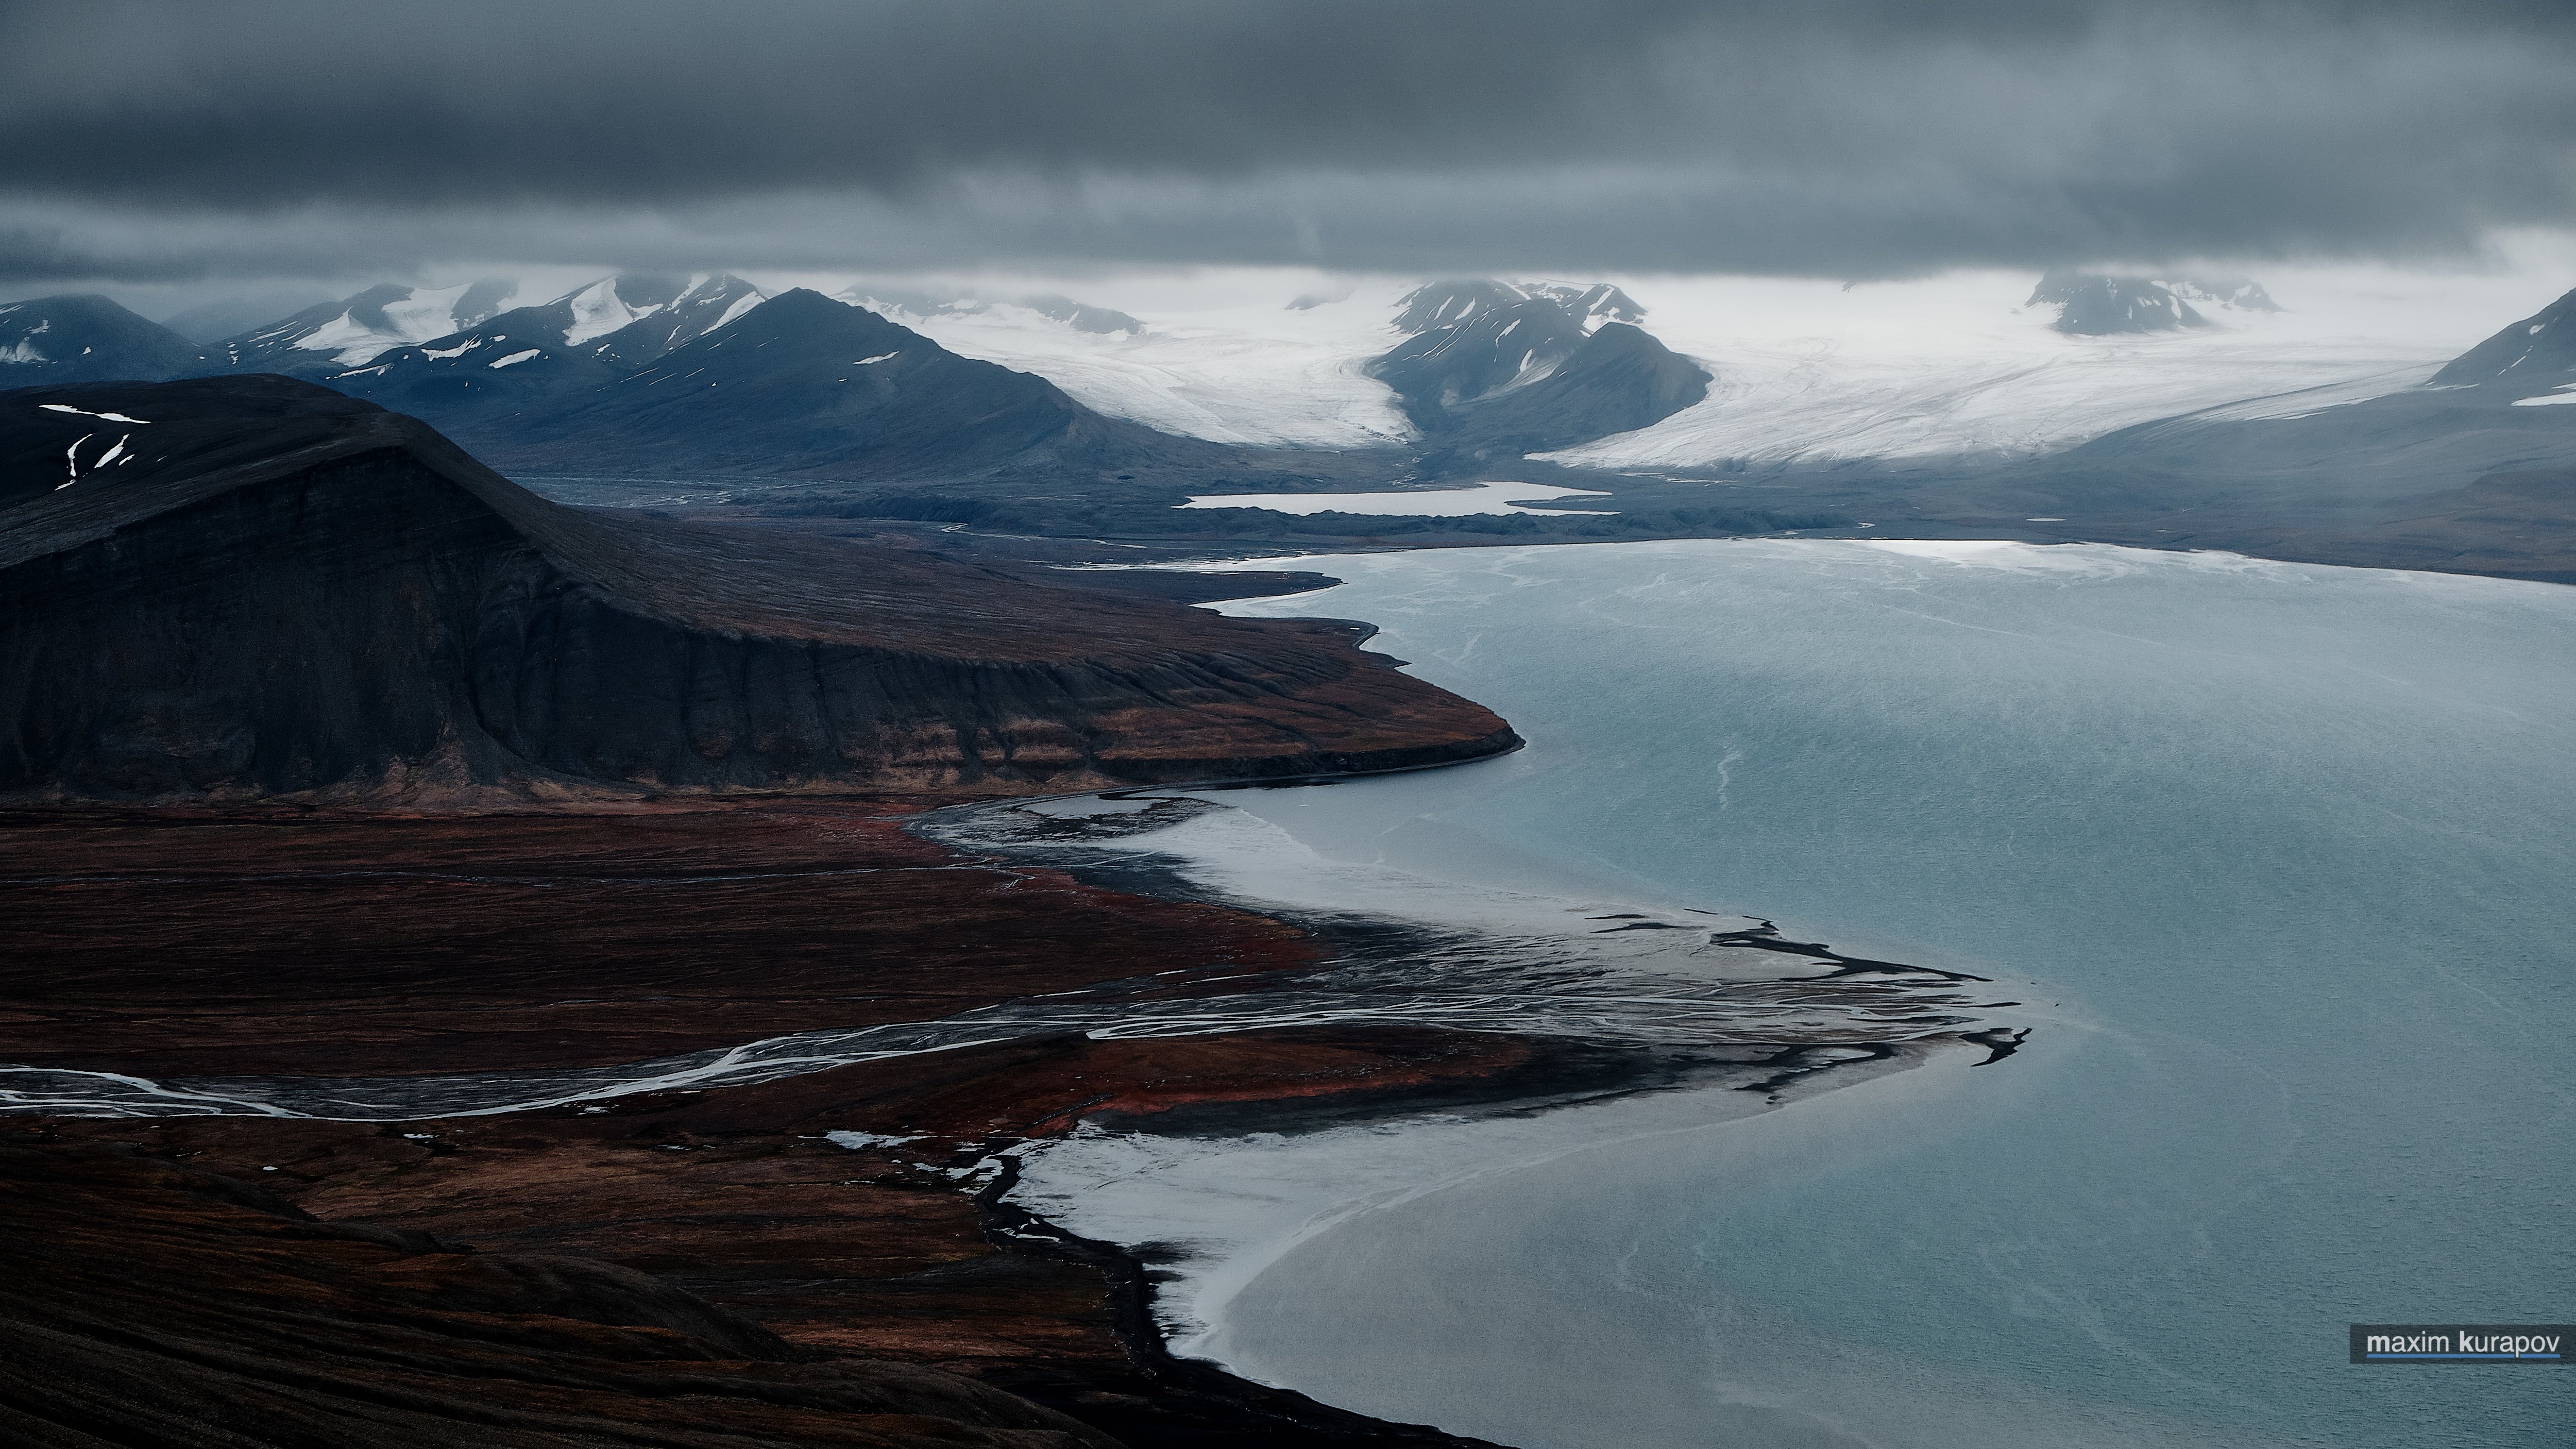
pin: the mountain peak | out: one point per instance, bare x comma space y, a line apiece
83, 337
1514, 367
332, 337
2098, 304
615, 302
2532, 356
2092, 304
1457, 302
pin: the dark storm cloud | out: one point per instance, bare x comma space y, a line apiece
1842, 137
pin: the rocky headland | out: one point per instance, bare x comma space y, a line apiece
275, 591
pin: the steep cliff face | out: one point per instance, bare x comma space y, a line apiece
293, 593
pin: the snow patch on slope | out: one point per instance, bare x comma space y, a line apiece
741, 304
597, 310
428, 313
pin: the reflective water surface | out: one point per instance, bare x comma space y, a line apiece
2293, 845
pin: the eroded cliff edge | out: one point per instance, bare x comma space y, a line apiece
279, 591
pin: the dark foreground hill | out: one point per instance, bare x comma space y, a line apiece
152, 1305
279, 590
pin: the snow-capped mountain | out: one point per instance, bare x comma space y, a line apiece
1472, 340
1507, 368
1467, 340
1308, 369
517, 355
79, 338
2093, 304
339, 337
1947, 366
1452, 304
2532, 358
555, 347
678, 310
1953, 365
335, 336
804, 382
796, 384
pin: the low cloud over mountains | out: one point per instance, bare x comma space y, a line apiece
1851, 138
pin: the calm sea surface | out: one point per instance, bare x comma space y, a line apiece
2282, 860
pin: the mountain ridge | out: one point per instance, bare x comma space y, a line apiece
38, 338
302, 594
819, 388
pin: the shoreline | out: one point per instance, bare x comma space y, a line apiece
1171, 1259
1190, 1262
1553, 1072
1532, 1077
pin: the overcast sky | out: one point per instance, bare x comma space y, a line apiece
218, 144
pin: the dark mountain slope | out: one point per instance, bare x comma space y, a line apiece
802, 385
524, 359
1471, 339
1495, 370
2466, 475
2093, 304
2534, 356
331, 337
83, 338
1618, 379
303, 594
692, 313
2090, 305
2344, 463
511, 363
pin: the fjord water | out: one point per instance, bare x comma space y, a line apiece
2286, 853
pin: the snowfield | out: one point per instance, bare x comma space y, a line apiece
1238, 367
426, 314
1954, 364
